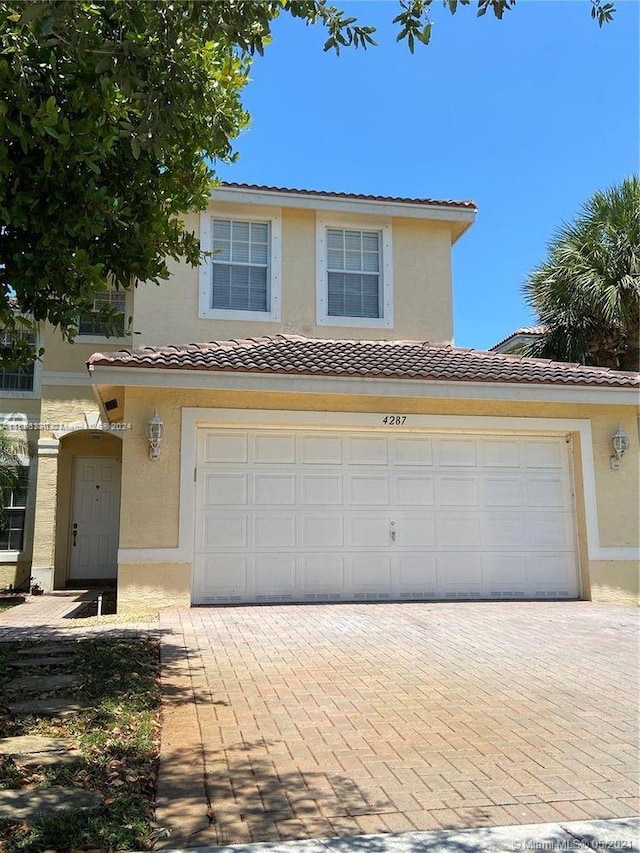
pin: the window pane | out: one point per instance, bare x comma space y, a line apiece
221, 296
370, 262
353, 295
240, 270
335, 239
353, 240
352, 261
336, 259
370, 241
240, 231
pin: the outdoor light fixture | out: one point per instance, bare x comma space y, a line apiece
155, 432
620, 442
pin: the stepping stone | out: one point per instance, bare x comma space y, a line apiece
18, 805
27, 744
42, 683
61, 661
59, 648
47, 707
47, 759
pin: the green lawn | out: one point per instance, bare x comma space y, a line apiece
119, 737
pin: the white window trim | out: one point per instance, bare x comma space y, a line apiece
36, 391
274, 217
110, 339
323, 318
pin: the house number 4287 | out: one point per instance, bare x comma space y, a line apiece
394, 420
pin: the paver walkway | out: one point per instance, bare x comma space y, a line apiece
289, 722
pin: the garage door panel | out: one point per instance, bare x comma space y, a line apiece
502, 491
459, 573
552, 574
500, 453
224, 489
371, 573
323, 531
368, 490
223, 575
367, 530
503, 530
413, 451
227, 530
416, 532
544, 453
224, 447
504, 574
368, 451
275, 574
457, 452
272, 489
457, 491
454, 531
323, 574
300, 515
321, 449
413, 490
548, 530
275, 531
546, 492
274, 449
322, 489
418, 575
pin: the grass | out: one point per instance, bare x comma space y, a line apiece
118, 735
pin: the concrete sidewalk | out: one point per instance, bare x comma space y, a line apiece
578, 836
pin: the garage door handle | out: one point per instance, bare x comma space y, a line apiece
75, 534
393, 531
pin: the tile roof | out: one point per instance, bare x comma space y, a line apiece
294, 355
330, 194
525, 331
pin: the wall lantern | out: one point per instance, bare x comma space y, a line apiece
155, 432
620, 442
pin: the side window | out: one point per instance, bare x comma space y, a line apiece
12, 521
16, 378
90, 324
240, 279
354, 274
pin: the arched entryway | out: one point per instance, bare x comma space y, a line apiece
88, 508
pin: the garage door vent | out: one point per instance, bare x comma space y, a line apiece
222, 599
322, 596
274, 597
409, 596
371, 596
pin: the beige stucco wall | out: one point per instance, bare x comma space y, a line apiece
151, 586
168, 314
152, 488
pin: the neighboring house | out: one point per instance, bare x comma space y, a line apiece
515, 343
329, 443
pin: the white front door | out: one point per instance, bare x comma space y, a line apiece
287, 515
95, 520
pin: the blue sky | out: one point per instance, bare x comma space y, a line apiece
527, 116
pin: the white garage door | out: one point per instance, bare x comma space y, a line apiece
288, 515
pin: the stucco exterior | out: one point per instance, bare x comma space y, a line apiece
68, 408
154, 488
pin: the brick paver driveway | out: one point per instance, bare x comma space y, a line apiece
344, 719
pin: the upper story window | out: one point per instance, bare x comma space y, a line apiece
15, 508
354, 274
241, 277
91, 325
17, 378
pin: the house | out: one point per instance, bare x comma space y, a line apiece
329, 443
516, 342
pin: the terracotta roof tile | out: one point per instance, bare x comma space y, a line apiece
330, 194
534, 331
293, 355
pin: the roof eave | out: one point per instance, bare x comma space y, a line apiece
221, 380
309, 201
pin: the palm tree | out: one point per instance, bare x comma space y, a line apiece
587, 291
9, 467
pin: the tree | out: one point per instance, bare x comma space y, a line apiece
111, 111
587, 291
